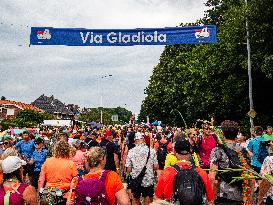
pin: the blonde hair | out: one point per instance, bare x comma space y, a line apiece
94, 156
61, 149
191, 130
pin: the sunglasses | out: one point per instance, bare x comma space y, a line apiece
6, 143
194, 134
207, 128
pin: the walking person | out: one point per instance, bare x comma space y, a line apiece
139, 157
265, 188
99, 185
26, 148
206, 143
112, 162
184, 182
79, 158
253, 148
38, 159
14, 191
227, 193
58, 171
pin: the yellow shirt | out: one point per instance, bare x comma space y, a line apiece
170, 160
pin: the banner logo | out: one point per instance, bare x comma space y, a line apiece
203, 33
44, 34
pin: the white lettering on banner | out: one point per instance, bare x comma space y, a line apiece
93, 38
112, 37
140, 37
84, 39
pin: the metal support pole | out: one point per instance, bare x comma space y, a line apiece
251, 106
101, 114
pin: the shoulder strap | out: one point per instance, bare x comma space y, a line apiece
148, 157
104, 174
6, 198
200, 138
215, 138
177, 168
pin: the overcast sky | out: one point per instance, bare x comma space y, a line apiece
72, 74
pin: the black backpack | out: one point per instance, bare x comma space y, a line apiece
234, 163
188, 186
162, 152
263, 151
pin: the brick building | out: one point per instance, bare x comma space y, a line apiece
9, 108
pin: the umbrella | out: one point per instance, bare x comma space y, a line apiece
17, 131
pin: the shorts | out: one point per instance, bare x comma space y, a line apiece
144, 192
224, 201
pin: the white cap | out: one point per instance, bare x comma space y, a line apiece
138, 136
11, 164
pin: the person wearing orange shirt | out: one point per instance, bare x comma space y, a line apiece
58, 171
113, 187
164, 187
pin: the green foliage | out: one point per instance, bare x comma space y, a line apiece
3, 98
201, 81
95, 113
26, 118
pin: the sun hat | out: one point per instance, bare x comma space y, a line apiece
138, 136
11, 164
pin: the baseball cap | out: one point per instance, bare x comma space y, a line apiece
25, 131
38, 139
138, 136
182, 146
11, 164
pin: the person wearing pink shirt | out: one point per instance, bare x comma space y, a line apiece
79, 158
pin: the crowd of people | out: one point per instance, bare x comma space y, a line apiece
137, 163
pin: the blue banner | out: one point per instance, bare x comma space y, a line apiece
123, 37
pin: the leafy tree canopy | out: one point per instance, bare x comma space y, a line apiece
202, 81
95, 113
26, 118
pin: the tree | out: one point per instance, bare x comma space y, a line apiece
201, 81
26, 118
3, 98
94, 115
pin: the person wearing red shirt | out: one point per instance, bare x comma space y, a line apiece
164, 187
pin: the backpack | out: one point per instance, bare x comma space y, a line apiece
162, 152
92, 191
262, 152
188, 186
234, 163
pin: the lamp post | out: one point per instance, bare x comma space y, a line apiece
251, 105
100, 78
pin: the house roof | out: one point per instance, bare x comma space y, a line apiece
51, 105
21, 105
